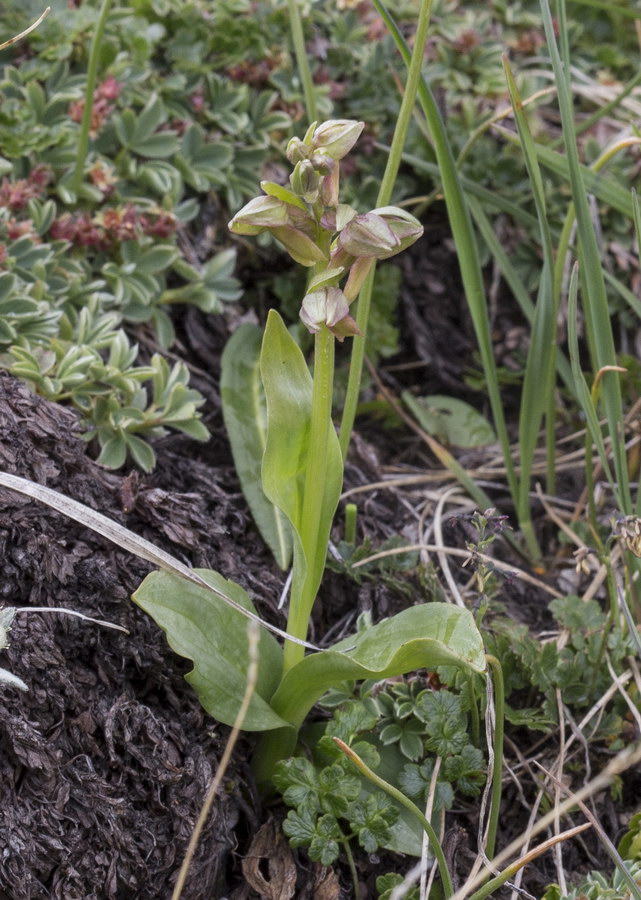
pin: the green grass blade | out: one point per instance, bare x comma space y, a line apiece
582, 389
537, 396
636, 211
414, 62
508, 271
472, 189
514, 281
605, 187
624, 292
464, 239
599, 327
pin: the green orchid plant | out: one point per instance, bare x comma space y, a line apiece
290, 443
339, 245
296, 455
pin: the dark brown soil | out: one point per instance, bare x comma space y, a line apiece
106, 760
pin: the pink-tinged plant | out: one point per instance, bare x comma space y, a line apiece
106, 92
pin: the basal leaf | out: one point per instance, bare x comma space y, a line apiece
203, 628
422, 637
245, 415
288, 391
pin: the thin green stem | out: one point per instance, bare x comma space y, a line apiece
384, 196
351, 513
400, 797
304, 72
92, 75
497, 768
474, 711
352, 867
314, 494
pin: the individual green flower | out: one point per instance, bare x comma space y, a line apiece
328, 307
406, 228
368, 235
337, 137
380, 234
259, 214
305, 181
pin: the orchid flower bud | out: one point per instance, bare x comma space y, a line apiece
328, 307
368, 235
406, 228
297, 150
322, 162
305, 181
337, 136
259, 214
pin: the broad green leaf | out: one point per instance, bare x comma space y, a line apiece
451, 420
245, 416
422, 637
203, 628
288, 391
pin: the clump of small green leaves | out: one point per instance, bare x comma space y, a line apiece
418, 723
330, 806
161, 139
426, 724
535, 669
597, 886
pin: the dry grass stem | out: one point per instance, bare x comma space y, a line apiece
429, 806
560, 765
18, 37
442, 557
455, 551
619, 683
621, 762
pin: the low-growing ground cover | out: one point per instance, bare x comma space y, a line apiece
458, 596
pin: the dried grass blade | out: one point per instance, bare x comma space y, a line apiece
128, 540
